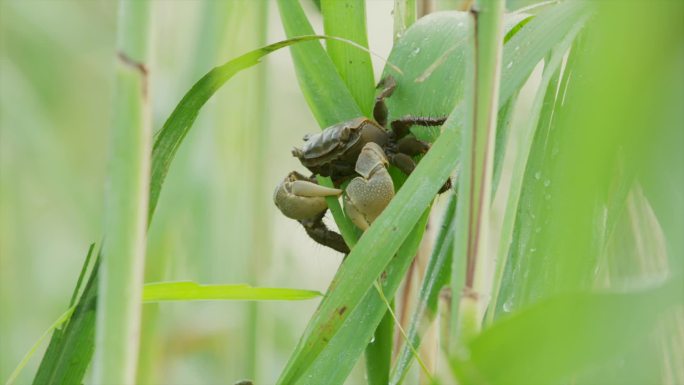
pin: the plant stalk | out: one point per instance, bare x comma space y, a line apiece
120, 289
475, 182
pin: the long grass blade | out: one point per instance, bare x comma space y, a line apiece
347, 19
170, 137
55, 325
191, 291
71, 347
343, 350
437, 276
543, 106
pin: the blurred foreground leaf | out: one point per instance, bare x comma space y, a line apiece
549, 342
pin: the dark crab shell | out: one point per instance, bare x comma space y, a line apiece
333, 151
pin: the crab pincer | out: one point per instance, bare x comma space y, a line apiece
300, 198
368, 194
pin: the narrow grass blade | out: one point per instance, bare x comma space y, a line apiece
328, 97
379, 351
191, 291
535, 39
437, 276
542, 111
347, 19
55, 325
71, 347
169, 139
344, 349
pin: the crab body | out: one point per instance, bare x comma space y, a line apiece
333, 151
359, 149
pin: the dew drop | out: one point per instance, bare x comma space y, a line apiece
509, 65
547, 182
415, 51
372, 340
508, 305
537, 175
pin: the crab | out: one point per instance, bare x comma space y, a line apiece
359, 149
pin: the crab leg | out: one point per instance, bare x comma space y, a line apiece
402, 125
388, 85
319, 232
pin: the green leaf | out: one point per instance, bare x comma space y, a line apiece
344, 349
437, 275
328, 97
191, 291
55, 325
347, 19
71, 347
566, 334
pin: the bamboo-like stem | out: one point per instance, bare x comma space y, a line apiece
475, 182
120, 289
260, 232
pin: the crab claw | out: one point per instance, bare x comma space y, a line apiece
367, 195
299, 198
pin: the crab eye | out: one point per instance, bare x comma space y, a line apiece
344, 134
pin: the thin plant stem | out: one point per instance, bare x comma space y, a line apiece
120, 289
477, 161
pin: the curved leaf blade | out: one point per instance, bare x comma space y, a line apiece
169, 138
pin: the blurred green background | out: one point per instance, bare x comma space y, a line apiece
215, 222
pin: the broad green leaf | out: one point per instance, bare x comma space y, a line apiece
565, 334
191, 291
